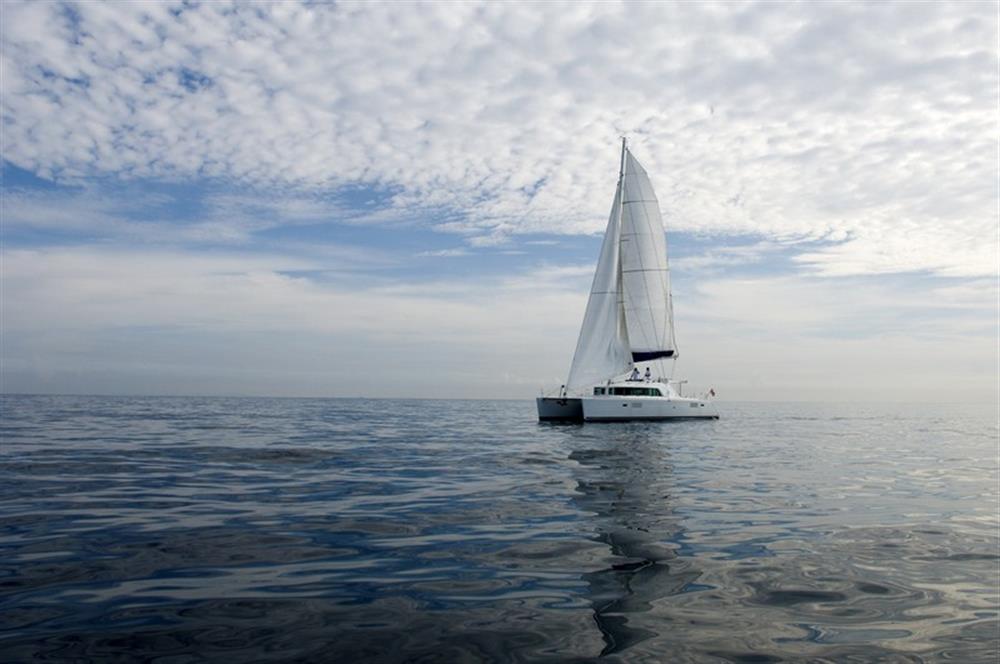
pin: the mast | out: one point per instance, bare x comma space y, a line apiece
622, 323
621, 171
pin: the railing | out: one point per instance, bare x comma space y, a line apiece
563, 393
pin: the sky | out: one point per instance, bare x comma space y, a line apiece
408, 199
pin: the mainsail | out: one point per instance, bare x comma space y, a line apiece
645, 275
629, 315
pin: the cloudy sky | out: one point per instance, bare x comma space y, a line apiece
397, 199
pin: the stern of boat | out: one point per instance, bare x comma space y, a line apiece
559, 409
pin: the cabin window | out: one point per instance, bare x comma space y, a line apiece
637, 391
598, 390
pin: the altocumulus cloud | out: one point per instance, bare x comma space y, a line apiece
870, 128
806, 149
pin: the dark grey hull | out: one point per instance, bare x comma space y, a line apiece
559, 409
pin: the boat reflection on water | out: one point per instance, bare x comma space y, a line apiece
624, 480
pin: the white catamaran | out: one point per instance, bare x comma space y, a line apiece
629, 322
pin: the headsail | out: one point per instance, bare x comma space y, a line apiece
602, 351
645, 274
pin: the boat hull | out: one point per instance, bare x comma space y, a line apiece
559, 409
628, 408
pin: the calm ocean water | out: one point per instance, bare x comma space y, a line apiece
237, 530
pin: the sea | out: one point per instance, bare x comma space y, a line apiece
172, 530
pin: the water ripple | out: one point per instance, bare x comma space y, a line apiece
170, 529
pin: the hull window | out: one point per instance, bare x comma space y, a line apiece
635, 391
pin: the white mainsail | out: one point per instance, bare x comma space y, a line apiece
645, 274
629, 315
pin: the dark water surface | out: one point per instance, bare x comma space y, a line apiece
238, 530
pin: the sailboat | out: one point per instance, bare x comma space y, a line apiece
629, 322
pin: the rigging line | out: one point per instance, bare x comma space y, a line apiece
666, 285
670, 297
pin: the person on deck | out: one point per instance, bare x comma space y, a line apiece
635, 374
648, 376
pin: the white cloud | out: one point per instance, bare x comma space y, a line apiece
727, 256
141, 217
62, 306
850, 139
848, 307
907, 245
841, 338
870, 123
445, 253
100, 319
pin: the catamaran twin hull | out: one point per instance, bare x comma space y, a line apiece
618, 409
